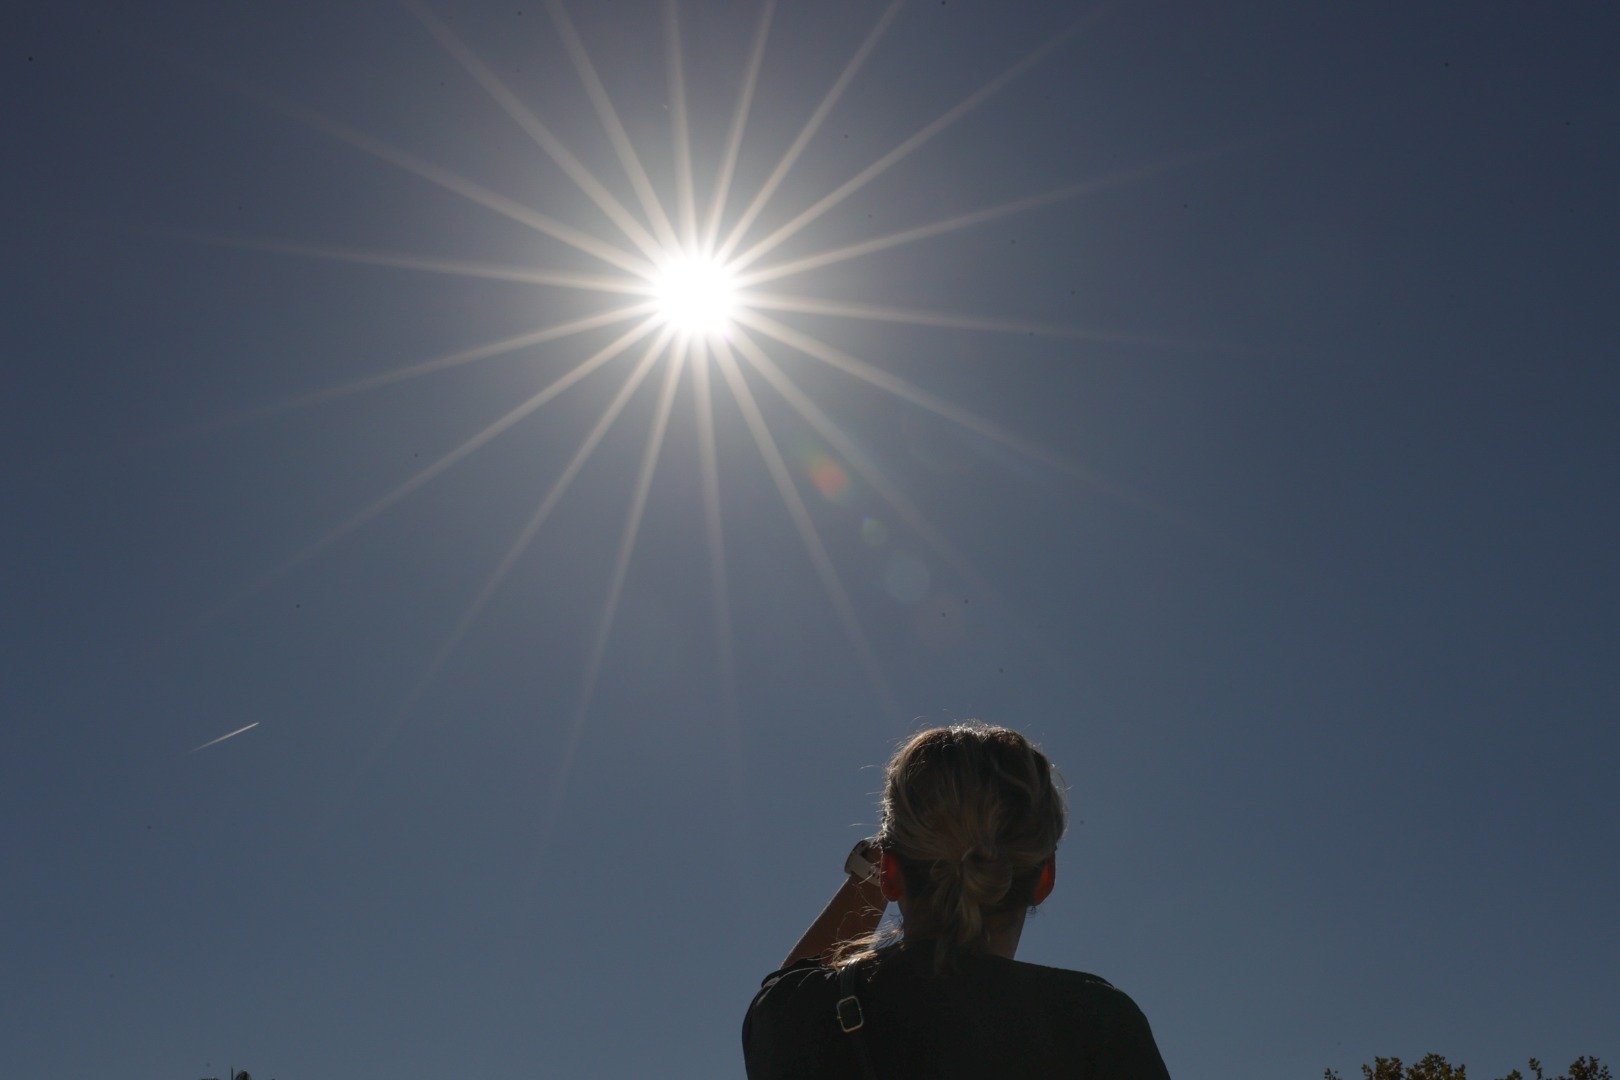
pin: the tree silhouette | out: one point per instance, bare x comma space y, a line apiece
1436, 1067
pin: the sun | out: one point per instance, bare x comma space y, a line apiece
700, 274
696, 294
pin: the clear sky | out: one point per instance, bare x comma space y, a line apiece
1265, 476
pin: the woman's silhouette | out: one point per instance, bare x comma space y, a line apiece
971, 820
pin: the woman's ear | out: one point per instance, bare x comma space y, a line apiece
1043, 887
890, 879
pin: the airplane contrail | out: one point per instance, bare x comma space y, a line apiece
222, 738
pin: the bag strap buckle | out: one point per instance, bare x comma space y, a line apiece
849, 1014
852, 1020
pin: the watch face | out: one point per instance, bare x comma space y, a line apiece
861, 864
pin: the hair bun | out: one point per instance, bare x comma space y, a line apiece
984, 875
978, 853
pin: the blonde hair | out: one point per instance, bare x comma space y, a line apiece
972, 812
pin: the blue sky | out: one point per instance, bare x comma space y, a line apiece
1282, 517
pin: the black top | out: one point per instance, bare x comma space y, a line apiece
995, 1017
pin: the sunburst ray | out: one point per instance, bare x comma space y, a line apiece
621, 569
739, 121
538, 518
940, 228
904, 509
611, 124
966, 418
910, 392
709, 472
862, 463
453, 182
543, 136
680, 135
809, 130
484, 435
800, 515
405, 260
923, 135
944, 320
439, 363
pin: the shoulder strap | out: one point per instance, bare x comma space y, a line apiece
852, 1021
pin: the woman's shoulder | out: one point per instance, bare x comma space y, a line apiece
790, 1027
789, 990
1104, 1019
1064, 979
1095, 994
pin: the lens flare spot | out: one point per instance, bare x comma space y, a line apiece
828, 476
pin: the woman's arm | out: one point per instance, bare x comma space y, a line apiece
854, 910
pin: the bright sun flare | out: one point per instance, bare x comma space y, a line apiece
696, 294
701, 307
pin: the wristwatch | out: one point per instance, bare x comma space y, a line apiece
862, 864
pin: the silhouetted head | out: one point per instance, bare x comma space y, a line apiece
971, 820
